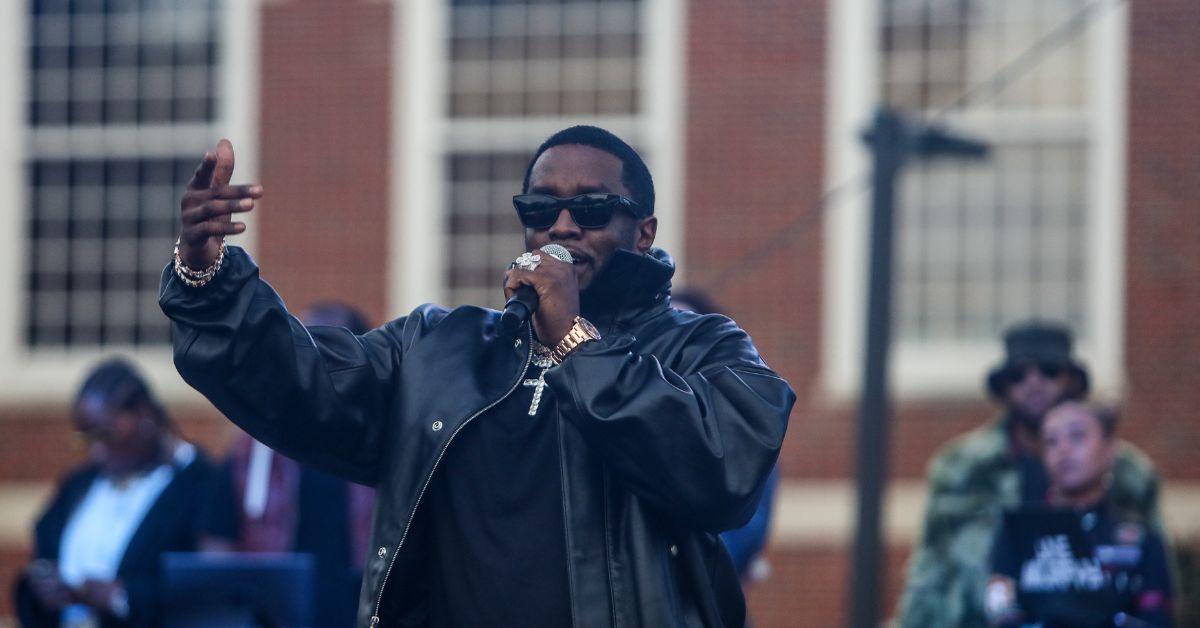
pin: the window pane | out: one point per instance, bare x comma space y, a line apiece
984, 243
100, 229
96, 253
122, 62
482, 224
515, 59
523, 67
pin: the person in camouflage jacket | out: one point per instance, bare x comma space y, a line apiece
976, 477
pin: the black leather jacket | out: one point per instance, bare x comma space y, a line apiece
668, 428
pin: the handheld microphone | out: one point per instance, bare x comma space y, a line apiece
524, 301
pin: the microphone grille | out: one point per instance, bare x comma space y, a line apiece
558, 252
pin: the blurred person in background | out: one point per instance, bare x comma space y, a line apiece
976, 477
97, 546
745, 544
263, 501
1076, 559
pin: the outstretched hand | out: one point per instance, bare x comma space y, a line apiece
207, 207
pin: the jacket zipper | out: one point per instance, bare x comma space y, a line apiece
612, 594
562, 479
392, 562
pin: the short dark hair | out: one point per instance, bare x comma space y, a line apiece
120, 385
634, 173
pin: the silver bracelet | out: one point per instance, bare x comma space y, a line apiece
197, 278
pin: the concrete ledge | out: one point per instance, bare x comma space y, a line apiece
20, 505
823, 513
807, 512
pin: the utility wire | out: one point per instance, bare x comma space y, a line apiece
1020, 65
851, 187
976, 94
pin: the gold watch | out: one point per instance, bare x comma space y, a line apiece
582, 331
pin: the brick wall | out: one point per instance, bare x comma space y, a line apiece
1162, 284
754, 145
325, 133
754, 134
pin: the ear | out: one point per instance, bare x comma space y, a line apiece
647, 228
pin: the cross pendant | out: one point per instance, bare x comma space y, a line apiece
539, 385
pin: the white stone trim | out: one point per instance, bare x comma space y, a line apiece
415, 239
821, 513
851, 93
13, 86
1110, 46
664, 82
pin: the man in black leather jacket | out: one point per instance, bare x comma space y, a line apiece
580, 483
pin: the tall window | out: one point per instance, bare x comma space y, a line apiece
122, 97
984, 243
518, 71
1034, 230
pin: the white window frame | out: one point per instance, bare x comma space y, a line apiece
420, 140
52, 374
957, 369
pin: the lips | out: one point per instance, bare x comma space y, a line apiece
577, 257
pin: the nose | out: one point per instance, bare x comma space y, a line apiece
564, 227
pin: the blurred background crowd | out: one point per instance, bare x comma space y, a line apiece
1062, 266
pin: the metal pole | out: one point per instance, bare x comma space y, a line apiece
892, 141
889, 144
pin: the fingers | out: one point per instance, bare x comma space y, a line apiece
549, 274
215, 209
195, 198
223, 170
201, 232
50, 590
202, 178
238, 191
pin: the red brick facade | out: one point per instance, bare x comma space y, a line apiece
754, 146
326, 117
1162, 276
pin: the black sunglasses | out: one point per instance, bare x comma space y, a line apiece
1016, 374
589, 211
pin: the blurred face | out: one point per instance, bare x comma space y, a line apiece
1075, 450
1035, 388
119, 441
572, 169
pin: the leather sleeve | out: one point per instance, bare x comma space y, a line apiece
319, 395
696, 443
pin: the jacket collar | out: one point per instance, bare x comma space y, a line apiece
630, 286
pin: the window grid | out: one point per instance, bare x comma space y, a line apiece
543, 58
483, 224
982, 244
122, 62
121, 76
517, 65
